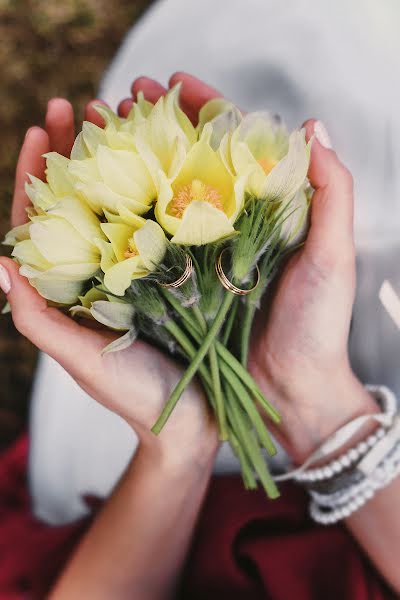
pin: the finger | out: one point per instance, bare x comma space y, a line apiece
92, 115
152, 90
331, 230
30, 161
124, 107
60, 125
194, 93
49, 329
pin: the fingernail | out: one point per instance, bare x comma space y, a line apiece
322, 135
5, 283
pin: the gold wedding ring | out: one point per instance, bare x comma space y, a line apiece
184, 277
228, 285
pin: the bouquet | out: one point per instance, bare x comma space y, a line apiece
156, 228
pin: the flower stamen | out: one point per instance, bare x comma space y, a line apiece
197, 190
131, 250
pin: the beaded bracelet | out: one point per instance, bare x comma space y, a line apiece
329, 509
387, 402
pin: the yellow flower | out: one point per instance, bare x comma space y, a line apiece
202, 202
113, 178
117, 133
58, 251
276, 164
165, 136
133, 251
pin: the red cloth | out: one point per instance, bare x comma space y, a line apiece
244, 548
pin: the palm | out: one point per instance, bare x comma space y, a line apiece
306, 325
135, 384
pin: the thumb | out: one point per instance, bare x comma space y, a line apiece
331, 230
48, 328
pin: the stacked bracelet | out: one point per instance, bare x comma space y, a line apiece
342, 486
304, 474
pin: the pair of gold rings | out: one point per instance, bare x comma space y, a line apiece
228, 285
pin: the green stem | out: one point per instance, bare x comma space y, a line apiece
188, 348
250, 446
238, 390
200, 318
229, 323
223, 352
247, 322
195, 364
219, 400
216, 382
250, 482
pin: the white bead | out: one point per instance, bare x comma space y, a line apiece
327, 472
362, 447
372, 439
380, 433
368, 494
336, 467
353, 454
345, 461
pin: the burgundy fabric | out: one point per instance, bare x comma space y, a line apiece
244, 548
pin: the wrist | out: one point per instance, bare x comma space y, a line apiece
316, 405
179, 453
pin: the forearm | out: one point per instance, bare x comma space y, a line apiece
376, 526
137, 544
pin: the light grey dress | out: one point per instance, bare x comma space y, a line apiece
337, 61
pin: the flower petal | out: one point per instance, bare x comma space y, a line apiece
27, 253
121, 343
151, 244
63, 292
60, 243
39, 193
119, 277
289, 174
202, 224
57, 174
126, 174
117, 315
78, 214
119, 235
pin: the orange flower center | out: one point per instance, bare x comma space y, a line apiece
131, 250
197, 190
267, 164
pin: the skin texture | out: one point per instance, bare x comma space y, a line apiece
299, 357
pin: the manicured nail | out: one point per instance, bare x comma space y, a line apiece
5, 283
322, 135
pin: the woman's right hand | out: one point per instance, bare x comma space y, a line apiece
135, 383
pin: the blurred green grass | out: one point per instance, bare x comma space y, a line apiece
47, 48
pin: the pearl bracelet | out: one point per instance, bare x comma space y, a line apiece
328, 510
387, 402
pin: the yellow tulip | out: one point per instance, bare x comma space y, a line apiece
201, 203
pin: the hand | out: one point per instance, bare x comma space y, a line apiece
299, 353
134, 383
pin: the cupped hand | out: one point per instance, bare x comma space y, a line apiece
135, 383
299, 345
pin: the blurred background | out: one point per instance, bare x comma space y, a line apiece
47, 49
